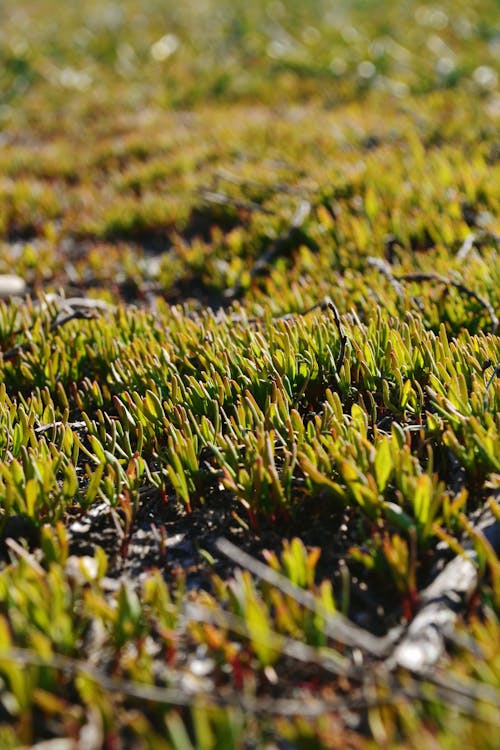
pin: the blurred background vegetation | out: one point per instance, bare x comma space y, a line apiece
178, 54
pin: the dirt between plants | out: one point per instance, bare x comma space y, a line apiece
165, 536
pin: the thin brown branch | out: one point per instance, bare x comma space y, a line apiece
385, 269
73, 308
279, 187
325, 304
336, 626
476, 239
180, 695
494, 374
222, 199
342, 335
326, 659
463, 695
419, 276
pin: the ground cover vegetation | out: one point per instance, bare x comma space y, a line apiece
249, 382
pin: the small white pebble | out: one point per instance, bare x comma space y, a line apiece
10, 284
202, 667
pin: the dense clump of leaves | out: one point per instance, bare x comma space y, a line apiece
274, 320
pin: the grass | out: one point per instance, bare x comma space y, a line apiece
249, 403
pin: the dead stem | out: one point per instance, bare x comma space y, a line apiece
336, 626
419, 276
325, 304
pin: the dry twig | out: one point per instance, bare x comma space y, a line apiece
326, 304
337, 627
419, 276
430, 276
73, 308
222, 199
